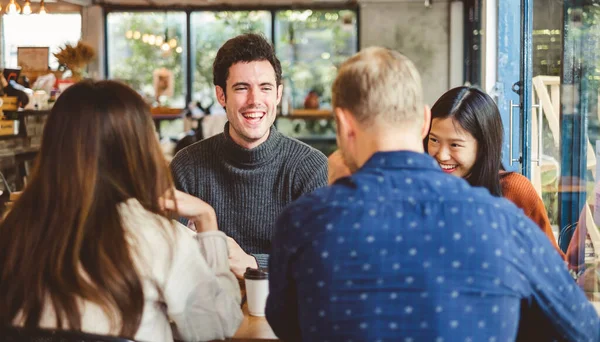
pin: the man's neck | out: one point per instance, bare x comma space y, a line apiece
245, 143
369, 144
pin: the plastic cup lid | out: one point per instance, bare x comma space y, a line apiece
256, 273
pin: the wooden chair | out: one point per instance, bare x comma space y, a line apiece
547, 93
12, 198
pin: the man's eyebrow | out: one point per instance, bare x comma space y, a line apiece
246, 84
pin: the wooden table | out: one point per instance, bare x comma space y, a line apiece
254, 329
597, 307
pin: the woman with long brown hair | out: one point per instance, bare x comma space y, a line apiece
88, 246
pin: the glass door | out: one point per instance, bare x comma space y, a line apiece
546, 141
547, 90
565, 134
564, 81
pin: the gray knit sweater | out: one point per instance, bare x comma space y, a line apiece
249, 188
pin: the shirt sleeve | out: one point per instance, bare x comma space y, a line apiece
537, 213
262, 260
554, 296
179, 168
179, 171
519, 190
202, 295
310, 174
282, 308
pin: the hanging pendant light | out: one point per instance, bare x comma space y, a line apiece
13, 8
165, 45
42, 8
26, 8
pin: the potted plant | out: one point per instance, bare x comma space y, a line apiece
75, 58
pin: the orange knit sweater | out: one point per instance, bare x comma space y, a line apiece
519, 190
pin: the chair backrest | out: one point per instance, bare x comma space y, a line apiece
564, 238
579, 252
547, 92
17, 334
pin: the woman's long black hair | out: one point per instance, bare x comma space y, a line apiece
476, 113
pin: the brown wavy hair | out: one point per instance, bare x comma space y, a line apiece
64, 241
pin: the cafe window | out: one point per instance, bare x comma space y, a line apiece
38, 30
210, 30
147, 51
311, 45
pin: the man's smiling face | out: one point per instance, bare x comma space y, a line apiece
250, 101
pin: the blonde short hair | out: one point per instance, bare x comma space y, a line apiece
379, 85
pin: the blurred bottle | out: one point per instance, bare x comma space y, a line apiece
286, 99
312, 100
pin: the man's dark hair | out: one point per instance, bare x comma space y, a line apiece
249, 47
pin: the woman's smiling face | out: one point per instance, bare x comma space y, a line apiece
454, 148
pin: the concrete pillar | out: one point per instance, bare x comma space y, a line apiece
92, 27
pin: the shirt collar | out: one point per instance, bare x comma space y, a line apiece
401, 160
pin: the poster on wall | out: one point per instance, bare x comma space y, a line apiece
164, 83
33, 58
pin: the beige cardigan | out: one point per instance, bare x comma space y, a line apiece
193, 287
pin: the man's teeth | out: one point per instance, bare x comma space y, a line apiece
253, 115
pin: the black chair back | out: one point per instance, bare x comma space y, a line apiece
564, 238
17, 334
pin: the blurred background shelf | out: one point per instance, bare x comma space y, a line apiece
313, 127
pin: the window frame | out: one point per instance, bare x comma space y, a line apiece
188, 10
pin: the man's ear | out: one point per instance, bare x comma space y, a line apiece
220, 95
345, 123
426, 122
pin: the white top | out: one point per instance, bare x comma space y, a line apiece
193, 287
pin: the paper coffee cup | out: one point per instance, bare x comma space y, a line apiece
257, 290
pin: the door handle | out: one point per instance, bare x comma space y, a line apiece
540, 128
510, 134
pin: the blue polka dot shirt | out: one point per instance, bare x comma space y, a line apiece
401, 251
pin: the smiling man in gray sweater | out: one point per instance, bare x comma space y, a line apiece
250, 172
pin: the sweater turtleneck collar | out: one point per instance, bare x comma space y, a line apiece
255, 156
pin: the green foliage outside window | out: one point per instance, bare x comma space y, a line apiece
211, 30
133, 60
311, 45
